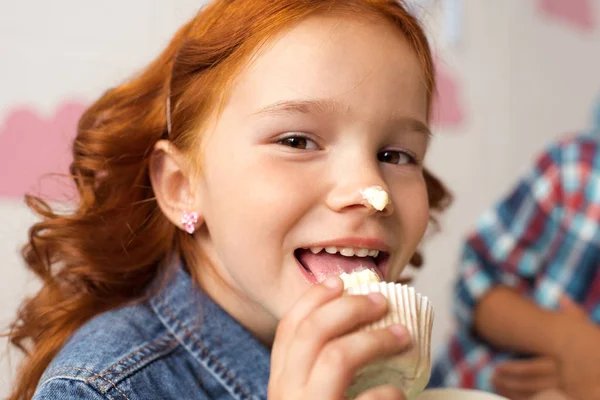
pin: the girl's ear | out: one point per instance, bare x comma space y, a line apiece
172, 180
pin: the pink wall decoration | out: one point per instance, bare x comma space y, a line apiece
596, 114
448, 107
578, 13
32, 145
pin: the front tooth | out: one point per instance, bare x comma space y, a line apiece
331, 249
373, 253
316, 250
361, 252
347, 251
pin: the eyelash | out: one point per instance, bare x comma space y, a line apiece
412, 159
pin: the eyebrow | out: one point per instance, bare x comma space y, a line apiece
323, 106
304, 107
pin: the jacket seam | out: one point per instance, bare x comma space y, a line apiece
90, 382
116, 364
190, 334
168, 346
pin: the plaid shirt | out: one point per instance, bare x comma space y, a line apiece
543, 239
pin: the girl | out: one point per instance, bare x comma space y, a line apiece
219, 197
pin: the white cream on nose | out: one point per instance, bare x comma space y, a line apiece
376, 197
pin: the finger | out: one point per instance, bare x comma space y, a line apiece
523, 386
514, 395
554, 394
326, 323
539, 366
316, 296
339, 360
569, 306
387, 392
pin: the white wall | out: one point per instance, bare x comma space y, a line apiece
525, 80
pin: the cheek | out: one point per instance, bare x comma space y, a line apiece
258, 177
412, 208
255, 199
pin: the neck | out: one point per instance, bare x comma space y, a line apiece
222, 289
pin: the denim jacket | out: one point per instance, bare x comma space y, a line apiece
178, 345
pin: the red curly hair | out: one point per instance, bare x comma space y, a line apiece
106, 252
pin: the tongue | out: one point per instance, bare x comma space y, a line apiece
324, 264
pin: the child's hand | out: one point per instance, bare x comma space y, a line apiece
522, 379
579, 353
317, 347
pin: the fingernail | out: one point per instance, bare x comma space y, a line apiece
400, 332
377, 298
332, 282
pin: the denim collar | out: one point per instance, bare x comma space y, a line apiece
233, 356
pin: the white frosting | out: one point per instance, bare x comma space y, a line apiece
376, 197
359, 277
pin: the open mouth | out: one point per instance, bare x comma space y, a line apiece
319, 262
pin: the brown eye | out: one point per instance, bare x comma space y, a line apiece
395, 157
295, 142
298, 142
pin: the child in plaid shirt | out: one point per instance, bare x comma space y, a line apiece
527, 299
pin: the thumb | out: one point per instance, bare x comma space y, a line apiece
569, 306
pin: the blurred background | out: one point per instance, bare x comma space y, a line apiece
513, 75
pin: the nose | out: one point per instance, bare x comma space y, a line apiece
354, 188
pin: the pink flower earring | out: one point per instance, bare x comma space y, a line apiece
189, 221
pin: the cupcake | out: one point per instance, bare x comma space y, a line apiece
409, 371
